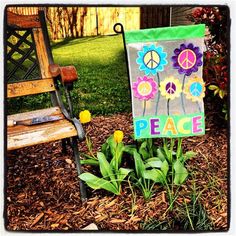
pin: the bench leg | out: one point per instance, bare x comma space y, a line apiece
64, 143
78, 167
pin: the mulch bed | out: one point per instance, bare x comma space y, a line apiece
43, 190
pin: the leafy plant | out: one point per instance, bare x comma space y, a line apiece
109, 162
145, 173
192, 216
111, 177
175, 165
90, 158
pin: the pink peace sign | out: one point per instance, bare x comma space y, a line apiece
187, 59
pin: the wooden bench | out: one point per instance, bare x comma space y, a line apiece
31, 44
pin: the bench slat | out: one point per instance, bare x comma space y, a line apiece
33, 114
30, 87
22, 136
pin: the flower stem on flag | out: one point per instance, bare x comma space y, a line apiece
199, 108
144, 107
168, 107
158, 95
182, 94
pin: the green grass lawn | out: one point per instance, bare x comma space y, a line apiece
102, 87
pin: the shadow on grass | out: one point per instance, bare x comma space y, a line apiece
74, 41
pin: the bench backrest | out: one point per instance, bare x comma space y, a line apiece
27, 43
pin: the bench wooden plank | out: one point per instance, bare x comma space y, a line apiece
22, 136
33, 114
30, 87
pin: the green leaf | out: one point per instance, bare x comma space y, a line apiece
150, 146
143, 150
154, 175
105, 149
105, 168
122, 173
91, 162
181, 172
139, 165
161, 154
213, 87
117, 157
216, 91
112, 144
95, 182
188, 155
165, 168
154, 162
221, 94
87, 156
129, 149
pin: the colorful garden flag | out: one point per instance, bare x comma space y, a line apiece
165, 70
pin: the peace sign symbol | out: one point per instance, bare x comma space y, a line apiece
151, 59
170, 88
196, 89
144, 88
187, 59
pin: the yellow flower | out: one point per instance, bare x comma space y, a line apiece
118, 136
195, 89
85, 116
170, 88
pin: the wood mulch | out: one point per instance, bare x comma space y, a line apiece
43, 190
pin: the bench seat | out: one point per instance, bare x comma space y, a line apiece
20, 136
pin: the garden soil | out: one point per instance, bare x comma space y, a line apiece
43, 191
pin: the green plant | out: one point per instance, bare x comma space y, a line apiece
90, 158
109, 161
158, 165
193, 216
111, 177
154, 224
175, 165
145, 162
189, 216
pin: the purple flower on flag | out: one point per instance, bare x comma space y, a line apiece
187, 59
144, 88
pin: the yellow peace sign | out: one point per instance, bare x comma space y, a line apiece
144, 88
151, 59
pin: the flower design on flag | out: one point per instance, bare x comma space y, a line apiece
144, 88
195, 89
187, 59
151, 59
170, 88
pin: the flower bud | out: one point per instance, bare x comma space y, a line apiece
118, 136
85, 116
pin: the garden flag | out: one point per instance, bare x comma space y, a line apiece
165, 70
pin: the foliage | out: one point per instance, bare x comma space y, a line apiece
216, 64
152, 164
159, 165
144, 163
109, 165
192, 217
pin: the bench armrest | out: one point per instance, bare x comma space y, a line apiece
67, 74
